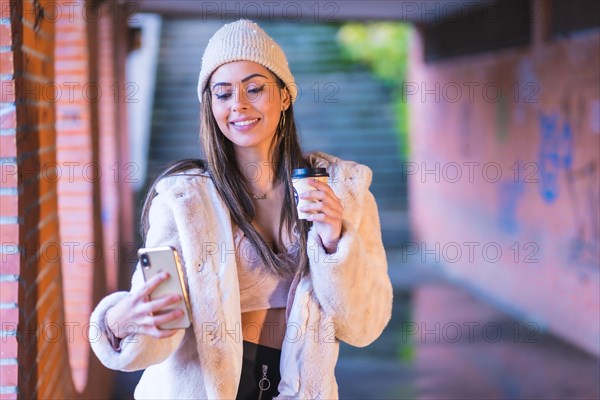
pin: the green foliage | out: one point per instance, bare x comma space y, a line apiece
384, 48
381, 45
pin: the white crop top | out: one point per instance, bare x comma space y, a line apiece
259, 288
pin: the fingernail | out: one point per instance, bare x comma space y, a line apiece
165, 275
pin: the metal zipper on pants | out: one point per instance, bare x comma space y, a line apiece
264, 384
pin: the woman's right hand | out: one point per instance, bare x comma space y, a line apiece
134, 313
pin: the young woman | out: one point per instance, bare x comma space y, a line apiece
271, 295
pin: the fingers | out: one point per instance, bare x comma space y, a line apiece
324, 200
153, 283
326, 207
150, 324
151, 314
159, 320
322, 190
167, 317
319, 217
314, 195
137, 314
161, 303
157, 311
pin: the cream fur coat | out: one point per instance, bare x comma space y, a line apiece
346, 296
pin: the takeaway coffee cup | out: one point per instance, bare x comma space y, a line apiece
300, 179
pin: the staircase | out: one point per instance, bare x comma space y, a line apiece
341, 108
175, 120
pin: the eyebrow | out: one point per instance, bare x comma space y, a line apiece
243, 80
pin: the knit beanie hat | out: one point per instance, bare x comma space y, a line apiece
244, 40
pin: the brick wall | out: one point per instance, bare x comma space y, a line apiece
32, 276
108, 142
505, 175
55, 165
104, 67
9, 212
86, 66
78, 179
127, 171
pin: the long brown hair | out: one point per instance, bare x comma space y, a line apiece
229, 181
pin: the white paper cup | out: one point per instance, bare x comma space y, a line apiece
300, 178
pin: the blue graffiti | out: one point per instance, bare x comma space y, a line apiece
104, 216
556, 154
510, 193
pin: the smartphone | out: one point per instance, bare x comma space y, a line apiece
165, 259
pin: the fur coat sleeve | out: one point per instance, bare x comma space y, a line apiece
133, 353
352, 284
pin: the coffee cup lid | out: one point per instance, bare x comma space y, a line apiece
308, 172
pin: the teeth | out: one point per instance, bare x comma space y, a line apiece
244, 123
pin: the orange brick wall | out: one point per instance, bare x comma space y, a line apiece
9, 212
79, 176
28, 127
89, 198
105, 43
108, 142
505, 176
59, 196
126, 219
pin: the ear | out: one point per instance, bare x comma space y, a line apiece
286, 99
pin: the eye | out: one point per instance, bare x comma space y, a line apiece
256, 89
254, 92
222, 96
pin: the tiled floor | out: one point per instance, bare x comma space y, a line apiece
443, 343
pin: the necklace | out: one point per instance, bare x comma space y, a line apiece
263, 196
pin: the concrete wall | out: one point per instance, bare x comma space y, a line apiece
504, 181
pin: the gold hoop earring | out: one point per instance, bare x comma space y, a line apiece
282, 122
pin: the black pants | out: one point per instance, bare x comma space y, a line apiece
260, 372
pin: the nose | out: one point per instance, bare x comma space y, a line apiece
240, 101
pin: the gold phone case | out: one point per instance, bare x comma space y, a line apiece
156, 260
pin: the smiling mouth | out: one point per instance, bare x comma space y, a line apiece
245, 123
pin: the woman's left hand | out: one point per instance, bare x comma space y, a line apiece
327, 213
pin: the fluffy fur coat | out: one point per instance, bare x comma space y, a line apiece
346, 295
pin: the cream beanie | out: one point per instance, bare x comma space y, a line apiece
244, 40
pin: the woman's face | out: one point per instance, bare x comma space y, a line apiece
247, 103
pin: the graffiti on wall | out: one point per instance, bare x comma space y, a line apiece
510, 193
584, 194
555, 154
577, 179
583, 182
594, 117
